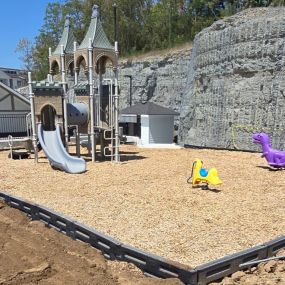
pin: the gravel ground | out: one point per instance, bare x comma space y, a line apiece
146, 202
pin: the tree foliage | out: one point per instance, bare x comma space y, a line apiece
143, 25
25, 49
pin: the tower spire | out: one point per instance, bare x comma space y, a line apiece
95, 11
67, 39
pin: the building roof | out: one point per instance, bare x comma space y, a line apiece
147, 108
4, 75
67, 40
96, 33
12, 69
10, 90
7, 73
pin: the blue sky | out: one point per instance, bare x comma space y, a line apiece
19, 19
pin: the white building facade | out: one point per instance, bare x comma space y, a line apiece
14, 78
157, 129
153, 124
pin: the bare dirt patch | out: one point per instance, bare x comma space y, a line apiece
154, 54
269, 273
31, 253
145, 201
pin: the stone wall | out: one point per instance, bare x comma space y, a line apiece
229, 85
236, 82
159, 79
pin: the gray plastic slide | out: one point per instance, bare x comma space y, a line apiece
57, 155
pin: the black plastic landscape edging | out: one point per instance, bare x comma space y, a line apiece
151, 264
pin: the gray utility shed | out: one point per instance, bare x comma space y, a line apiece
14, 108
152, 123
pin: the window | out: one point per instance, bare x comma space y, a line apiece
4, 81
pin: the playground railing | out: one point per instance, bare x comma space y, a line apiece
13, 124
29, 124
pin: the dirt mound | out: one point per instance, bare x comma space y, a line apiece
31, 253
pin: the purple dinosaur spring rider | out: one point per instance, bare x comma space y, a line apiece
275, 158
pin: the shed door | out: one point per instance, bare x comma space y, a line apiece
161, 129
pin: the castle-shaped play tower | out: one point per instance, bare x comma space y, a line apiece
91, 109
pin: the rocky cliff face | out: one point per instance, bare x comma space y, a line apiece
236, 82
229, 85
159, 79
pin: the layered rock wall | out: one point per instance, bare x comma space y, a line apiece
159, 79
236, 82
229, 85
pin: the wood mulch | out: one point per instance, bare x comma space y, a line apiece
146, 202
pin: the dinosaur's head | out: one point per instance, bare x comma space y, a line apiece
261, 138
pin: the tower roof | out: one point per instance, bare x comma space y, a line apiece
96, 33
67, 40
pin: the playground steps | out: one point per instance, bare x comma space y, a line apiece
18, 142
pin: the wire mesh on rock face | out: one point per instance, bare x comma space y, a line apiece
236, 82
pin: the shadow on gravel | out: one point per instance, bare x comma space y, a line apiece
206, 187
270, 168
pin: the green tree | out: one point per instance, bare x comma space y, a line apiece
49, 36
143, 25
25, 49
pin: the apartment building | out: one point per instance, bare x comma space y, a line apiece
14, 78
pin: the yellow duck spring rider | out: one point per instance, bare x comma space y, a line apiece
201, 175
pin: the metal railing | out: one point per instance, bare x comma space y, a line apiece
29, 125
13, 123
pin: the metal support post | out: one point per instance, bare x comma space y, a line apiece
75, 68
62, 65
100, 90
116, 97
77, 139
10, 142
32, 103
49, 55
111, 116
89, 144
97, 104
49, 77
90, 66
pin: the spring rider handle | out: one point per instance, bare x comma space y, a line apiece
201, 175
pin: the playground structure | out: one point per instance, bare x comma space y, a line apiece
18, 154
76, 114
201, 175
275, 158
91, 111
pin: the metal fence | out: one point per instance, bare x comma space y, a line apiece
151, 264
13, 124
